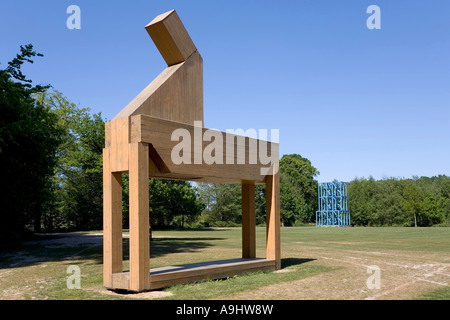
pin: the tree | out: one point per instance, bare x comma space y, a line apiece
361, 200
388, 204
172, 203
443, 197
29, 139
298, 196
77, 180
298, 189
418, 201
412, 201
222, 204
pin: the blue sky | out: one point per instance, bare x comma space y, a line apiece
354, 101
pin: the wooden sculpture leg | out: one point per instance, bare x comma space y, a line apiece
273, 219
139, 217
248, 221
112, 221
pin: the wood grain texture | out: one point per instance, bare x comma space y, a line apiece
119, 138
108, 135
171, 38
112, 221
176, 94
139, 141
158, 132
273, 247
171, 275
139, 217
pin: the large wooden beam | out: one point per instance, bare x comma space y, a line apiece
119, 136
248, 221
176, 94
243, 165
139, 217
144, 139
171, 38
112, 221
171, 275
273, 248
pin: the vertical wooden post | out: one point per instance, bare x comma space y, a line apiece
248, 221
273, 219
112, 221
139, 217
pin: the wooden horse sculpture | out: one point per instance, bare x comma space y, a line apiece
140, 141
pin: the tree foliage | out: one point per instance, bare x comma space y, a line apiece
77, 180
51, 160
400, 202
222, 204
298, 190
172, 203
298, 196
29, 140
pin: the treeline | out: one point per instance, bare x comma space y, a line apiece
298, 197
418, 201
51, 160
51, 155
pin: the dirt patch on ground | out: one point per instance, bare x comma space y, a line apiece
62, 240
402, 276
142, 295
284, 270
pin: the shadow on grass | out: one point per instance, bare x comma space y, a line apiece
168, 245
289, 262
48, 247
67, 247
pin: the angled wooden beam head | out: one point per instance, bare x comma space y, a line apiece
177, 93
171, 38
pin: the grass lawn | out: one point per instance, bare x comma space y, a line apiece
317, 263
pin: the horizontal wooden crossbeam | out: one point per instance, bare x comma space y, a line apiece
240, 161
168, 276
